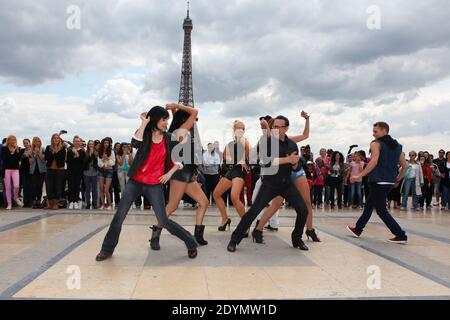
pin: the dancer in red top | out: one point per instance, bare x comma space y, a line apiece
151, 169
183, 130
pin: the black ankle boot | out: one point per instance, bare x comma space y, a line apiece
297, 242
199, 230
257, 236
231, 246
312, 234
154, 241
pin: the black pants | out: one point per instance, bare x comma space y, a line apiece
336, 184
377, 200
115, 188
37, 182
27, 187
346, 195
265, 195
427, 193
318, 195
83, 188
54, 183
395, 194
74, 184
138, 202
211, 181
365, 189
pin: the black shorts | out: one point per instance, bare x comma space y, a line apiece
236, 171
188, 174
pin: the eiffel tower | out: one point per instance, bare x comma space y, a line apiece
186, 91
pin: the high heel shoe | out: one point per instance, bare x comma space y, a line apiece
257, 236
223, 227
311, 234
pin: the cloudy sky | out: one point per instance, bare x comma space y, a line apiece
348, 63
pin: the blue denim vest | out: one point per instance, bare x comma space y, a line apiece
386, 169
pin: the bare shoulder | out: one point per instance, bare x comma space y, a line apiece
375, 144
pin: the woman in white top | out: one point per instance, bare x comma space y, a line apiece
413, 181
106, 160
210, 169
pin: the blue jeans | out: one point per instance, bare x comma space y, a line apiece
91, 187
446, 196
355, 187
155, 193
408, 184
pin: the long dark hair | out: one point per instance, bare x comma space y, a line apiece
156, 114
179, 118
102, 150
333, 158
362, 154
122, 145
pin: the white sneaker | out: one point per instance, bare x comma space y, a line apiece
75, 206
9, 207
19, 202
71, 206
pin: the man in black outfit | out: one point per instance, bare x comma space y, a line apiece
275, 183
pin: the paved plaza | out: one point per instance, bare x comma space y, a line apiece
51, 255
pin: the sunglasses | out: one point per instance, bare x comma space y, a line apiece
278, 127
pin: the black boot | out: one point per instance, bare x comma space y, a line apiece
297, 242
312, 234
257, 236
154, 241
199, 230
232, 246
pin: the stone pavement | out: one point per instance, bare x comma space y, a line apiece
51, 255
